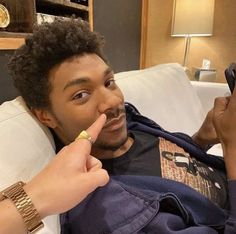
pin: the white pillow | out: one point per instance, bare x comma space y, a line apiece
26, 146
165, 94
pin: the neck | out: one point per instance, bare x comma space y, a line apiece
108, 154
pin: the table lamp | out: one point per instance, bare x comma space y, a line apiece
192, 18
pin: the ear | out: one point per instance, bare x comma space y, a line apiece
45, 117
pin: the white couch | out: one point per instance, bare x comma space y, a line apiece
162, 92
165, 94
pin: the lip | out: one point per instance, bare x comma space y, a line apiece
115, 123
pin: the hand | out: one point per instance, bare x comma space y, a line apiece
69, 177
224, 119
206, 135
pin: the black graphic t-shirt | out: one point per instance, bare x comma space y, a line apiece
141, 159
158, 157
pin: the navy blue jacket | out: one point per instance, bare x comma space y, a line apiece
147, 204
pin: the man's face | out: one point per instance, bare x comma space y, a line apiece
82, 89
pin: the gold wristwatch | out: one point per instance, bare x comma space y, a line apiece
24, 205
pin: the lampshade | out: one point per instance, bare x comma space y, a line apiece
193, 18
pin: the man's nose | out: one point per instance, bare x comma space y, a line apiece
108, 100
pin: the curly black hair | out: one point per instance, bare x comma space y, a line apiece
49, 45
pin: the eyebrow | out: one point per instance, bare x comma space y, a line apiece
84, 80
108, 71
77, 81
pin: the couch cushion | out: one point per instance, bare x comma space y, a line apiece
26, 145
165, 94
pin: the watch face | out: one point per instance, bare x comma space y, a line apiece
4, 17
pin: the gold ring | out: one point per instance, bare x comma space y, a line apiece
86, 136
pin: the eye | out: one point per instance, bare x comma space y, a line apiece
81, 96
110, 83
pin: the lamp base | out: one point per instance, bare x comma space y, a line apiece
188, 72
186, 49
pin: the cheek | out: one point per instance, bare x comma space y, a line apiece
75, 119
119, 93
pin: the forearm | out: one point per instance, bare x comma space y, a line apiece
10, 219
230, 161
231, 222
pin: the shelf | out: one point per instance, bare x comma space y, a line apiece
65, 3
64, 8
13, 35
12, 40
11, 43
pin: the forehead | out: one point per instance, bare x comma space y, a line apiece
88, 65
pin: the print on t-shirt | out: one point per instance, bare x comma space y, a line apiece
176, 164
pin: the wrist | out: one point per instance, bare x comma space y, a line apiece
204, 144
34, 193
10, 218
18, 196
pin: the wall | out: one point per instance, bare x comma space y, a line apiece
220, 48
122, 31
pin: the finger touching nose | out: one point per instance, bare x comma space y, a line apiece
84, 145
97, 126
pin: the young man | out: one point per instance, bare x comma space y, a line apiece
65, 80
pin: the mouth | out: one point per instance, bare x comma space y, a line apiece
115, 123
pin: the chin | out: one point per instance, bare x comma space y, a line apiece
112, 142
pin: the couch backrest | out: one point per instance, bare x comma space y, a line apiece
208, 91
165, 94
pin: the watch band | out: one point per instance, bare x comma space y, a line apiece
24, 205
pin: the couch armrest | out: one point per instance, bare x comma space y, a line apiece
208, 91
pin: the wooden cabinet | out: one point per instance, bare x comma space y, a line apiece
25, 13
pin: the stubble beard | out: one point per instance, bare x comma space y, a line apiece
103, 145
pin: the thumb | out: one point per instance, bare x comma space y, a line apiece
97, 178
220, 105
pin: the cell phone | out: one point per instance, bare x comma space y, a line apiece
230, 75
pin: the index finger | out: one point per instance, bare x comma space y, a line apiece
97, 126
79, 150
93, 131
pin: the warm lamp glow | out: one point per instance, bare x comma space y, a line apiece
192, 18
